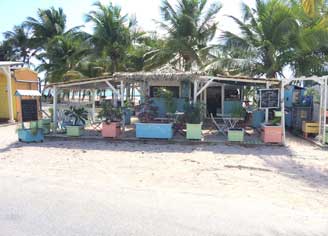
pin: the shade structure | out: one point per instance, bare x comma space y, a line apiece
31, 93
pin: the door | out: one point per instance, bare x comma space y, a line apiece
29, 109
213, 100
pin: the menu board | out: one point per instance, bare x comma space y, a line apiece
269, 98
29, 109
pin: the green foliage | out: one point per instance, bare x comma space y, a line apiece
109, 113
189, 26
170, 102
194, 112
78, 115
147, 111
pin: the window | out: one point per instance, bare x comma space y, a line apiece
174, 89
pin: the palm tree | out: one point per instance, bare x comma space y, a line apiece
111, 36
63, 53
311, 7
50, 23
19, 39
189, 27
265, 45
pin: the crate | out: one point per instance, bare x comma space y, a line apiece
310, 127
271, 133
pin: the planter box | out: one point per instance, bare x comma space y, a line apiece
28, 135
271, 133
45, 125
194, 131
74, 131
154, 130
236, 135
111, 130
310, 127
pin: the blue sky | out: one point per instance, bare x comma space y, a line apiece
14, 12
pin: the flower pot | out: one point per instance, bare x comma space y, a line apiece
271, 133
30, 135
154, 130
111, 130
74, 131
236, 135
194, 131
310, 127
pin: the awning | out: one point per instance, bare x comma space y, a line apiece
32, 93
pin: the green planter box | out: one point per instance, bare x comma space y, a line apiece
236, 135
194, 131
74, 131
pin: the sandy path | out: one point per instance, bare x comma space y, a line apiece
291, 181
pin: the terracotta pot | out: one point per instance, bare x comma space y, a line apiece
111, 130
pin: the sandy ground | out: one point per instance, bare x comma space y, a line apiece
104, 188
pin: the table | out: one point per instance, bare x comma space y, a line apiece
229, 121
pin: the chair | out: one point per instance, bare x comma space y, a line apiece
220, 127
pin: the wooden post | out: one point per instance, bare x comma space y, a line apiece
222, 99
282, 105
267, 109
324, 110
122, 105
195, 90
93, 100
10, 95
55, 109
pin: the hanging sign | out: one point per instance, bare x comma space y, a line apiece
269, 98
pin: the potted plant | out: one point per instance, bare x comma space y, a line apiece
78, 117
31, 134
112, 117
236, 135
193, 116
148, 127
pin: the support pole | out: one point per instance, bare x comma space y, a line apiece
93, 100
10, 95
55, 109
267, 109
222, 99
122, 105
195, 90
325, 110
282, 105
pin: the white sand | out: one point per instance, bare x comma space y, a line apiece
294, 178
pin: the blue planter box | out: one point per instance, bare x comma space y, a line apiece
25, 135
154, 130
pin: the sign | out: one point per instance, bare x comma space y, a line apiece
29, 109
269, 98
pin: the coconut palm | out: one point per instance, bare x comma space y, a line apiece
265, 44
312, 7
19, 39
63, 54
111, 36
49, 23
189, 26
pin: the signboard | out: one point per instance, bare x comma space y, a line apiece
269, 98
29, 109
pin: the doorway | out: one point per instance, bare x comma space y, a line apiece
214, 100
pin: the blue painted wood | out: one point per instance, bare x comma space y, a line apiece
154, 130
25, 135
288, 118
185, 87
289, 91
229, 106
257, 118
127, 116
160, 104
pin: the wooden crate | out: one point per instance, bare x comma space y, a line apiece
310, 127
271, 134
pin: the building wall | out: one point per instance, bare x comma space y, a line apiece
21, 79
4, 113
